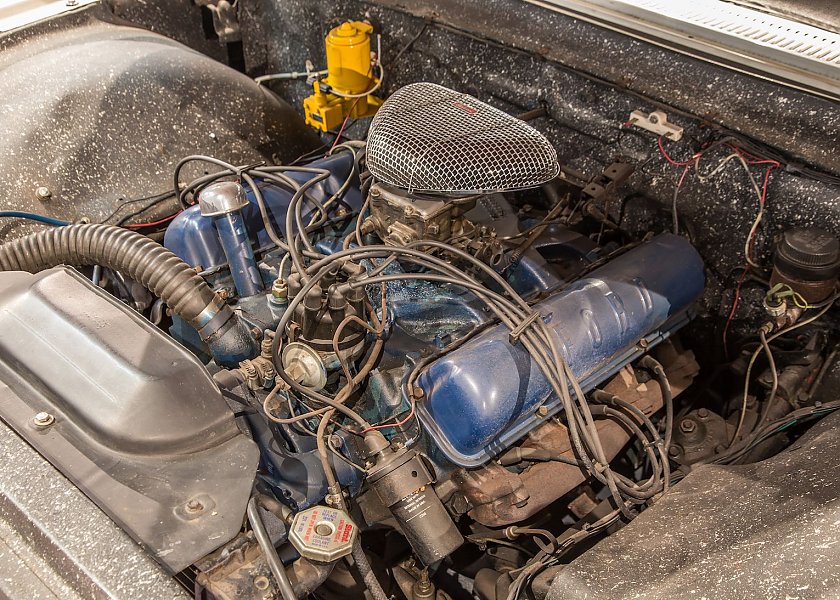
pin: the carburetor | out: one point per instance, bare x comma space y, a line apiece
399, 218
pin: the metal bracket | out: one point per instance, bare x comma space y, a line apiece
225, 21
657, 122
609, 181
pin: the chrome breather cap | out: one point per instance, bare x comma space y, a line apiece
222, 198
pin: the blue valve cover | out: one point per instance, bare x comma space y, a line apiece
193, 237
482, 397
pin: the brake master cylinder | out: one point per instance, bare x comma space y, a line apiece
346, 90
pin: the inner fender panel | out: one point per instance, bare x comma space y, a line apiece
134, 419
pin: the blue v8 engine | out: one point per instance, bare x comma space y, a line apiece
433, 331
462, 332
401, 344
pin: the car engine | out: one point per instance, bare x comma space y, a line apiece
390, 344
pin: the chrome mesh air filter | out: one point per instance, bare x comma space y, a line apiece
429, 138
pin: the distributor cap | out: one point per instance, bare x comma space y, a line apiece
322, 534
426, 137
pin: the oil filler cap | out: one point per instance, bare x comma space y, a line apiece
323, 534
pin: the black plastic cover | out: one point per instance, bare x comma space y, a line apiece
140, 426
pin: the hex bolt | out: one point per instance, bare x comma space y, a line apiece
542, 411
42, 420
43, 193
703, 413
687, 425
280, 291
675, 450
194, 506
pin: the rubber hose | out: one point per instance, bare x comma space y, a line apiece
168, 277
371, 582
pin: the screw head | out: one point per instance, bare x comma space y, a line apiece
194, 506
42, 192
702, 413
42, 420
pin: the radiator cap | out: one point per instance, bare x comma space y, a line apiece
323, 534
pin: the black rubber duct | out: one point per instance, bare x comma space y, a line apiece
147, 262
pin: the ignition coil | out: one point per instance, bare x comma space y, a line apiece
403, 483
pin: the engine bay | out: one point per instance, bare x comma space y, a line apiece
365, 332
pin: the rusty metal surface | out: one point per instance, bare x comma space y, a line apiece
502, 497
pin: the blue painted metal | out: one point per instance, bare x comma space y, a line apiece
483, 396
194, 238
290, 464
236, 245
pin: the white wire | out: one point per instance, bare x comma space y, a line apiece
756, 189
289, 76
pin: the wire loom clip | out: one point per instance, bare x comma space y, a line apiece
516, 333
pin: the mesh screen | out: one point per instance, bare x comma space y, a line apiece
429, 138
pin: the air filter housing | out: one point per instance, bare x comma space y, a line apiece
432, 139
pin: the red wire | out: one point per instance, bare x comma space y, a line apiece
675, 162
162, 221
344, 124
773, 164
682, 177
734, 308
398, 424
752, 160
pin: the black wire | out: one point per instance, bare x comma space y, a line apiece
409, 44
153, 201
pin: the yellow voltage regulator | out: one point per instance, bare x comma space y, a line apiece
346, 90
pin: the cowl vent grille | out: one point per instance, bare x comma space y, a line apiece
432, 139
